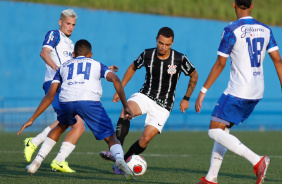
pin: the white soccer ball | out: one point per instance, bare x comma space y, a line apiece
137, 164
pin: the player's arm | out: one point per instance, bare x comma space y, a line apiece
277, 61
128, 74
120, 91
45, 102
114, 68
214, 73
184, 104
47, 59
126, 78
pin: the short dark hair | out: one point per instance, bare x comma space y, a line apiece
243, 4
82, 47
166, 32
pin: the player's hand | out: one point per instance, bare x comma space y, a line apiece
128, 113
116, 98
184, 104
199, 101
114, 68
27, 124
56, 68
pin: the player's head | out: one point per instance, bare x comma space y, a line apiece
243, 4
164, 40
67, 21
82, 48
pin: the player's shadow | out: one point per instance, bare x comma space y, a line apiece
204, 172
86, 173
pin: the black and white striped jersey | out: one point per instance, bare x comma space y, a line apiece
162, 75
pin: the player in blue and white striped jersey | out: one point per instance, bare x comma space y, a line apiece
81, 90
246, 41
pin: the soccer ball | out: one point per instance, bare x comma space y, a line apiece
137, 164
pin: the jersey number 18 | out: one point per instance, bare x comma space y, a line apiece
255, 47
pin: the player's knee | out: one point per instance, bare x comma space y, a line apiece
144, 140
214, 133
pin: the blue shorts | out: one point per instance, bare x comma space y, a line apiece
234, 109
56, 102
92, 112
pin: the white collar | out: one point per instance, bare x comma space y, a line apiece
247, 17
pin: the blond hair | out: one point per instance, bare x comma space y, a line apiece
68, 13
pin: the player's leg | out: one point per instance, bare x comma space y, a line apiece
235, 110
154, 123
140, 145
120, 165
217, 156
66, 117
234, 144
136, 104
123, 125
70, 140
46, 147
32, 143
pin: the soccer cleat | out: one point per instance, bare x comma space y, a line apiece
33, 167
61, 166
116, 170
260, 169
107, 155
204, 181
127, 173
29, 149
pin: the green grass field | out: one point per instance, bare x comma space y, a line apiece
268, 12
172, 157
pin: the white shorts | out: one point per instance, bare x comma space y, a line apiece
156, 115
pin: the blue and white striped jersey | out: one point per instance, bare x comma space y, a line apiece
246, 41
80, 79
61, 50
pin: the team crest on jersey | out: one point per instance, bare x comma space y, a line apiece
171, 69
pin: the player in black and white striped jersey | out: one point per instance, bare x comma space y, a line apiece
157, 95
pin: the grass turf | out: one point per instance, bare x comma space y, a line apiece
172, 157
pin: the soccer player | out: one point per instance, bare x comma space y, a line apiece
246, 42
156, 97
57, 49
81, 90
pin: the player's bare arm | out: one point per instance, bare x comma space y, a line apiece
277, 61
184, 104
126, 78
120, 91
214, 73
45, 102
45, 56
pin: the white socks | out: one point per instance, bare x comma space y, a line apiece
117, 151
41, 137
217, 156
46, 147
233, 144
65, 151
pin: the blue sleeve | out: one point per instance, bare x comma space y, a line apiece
104, 68
139, 62
227, 41
272, 42
58, 76
52, 38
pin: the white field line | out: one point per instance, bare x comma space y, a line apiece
145, 155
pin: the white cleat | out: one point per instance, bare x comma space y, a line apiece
33, 167
127, 173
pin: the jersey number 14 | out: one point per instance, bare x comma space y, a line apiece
86, 72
